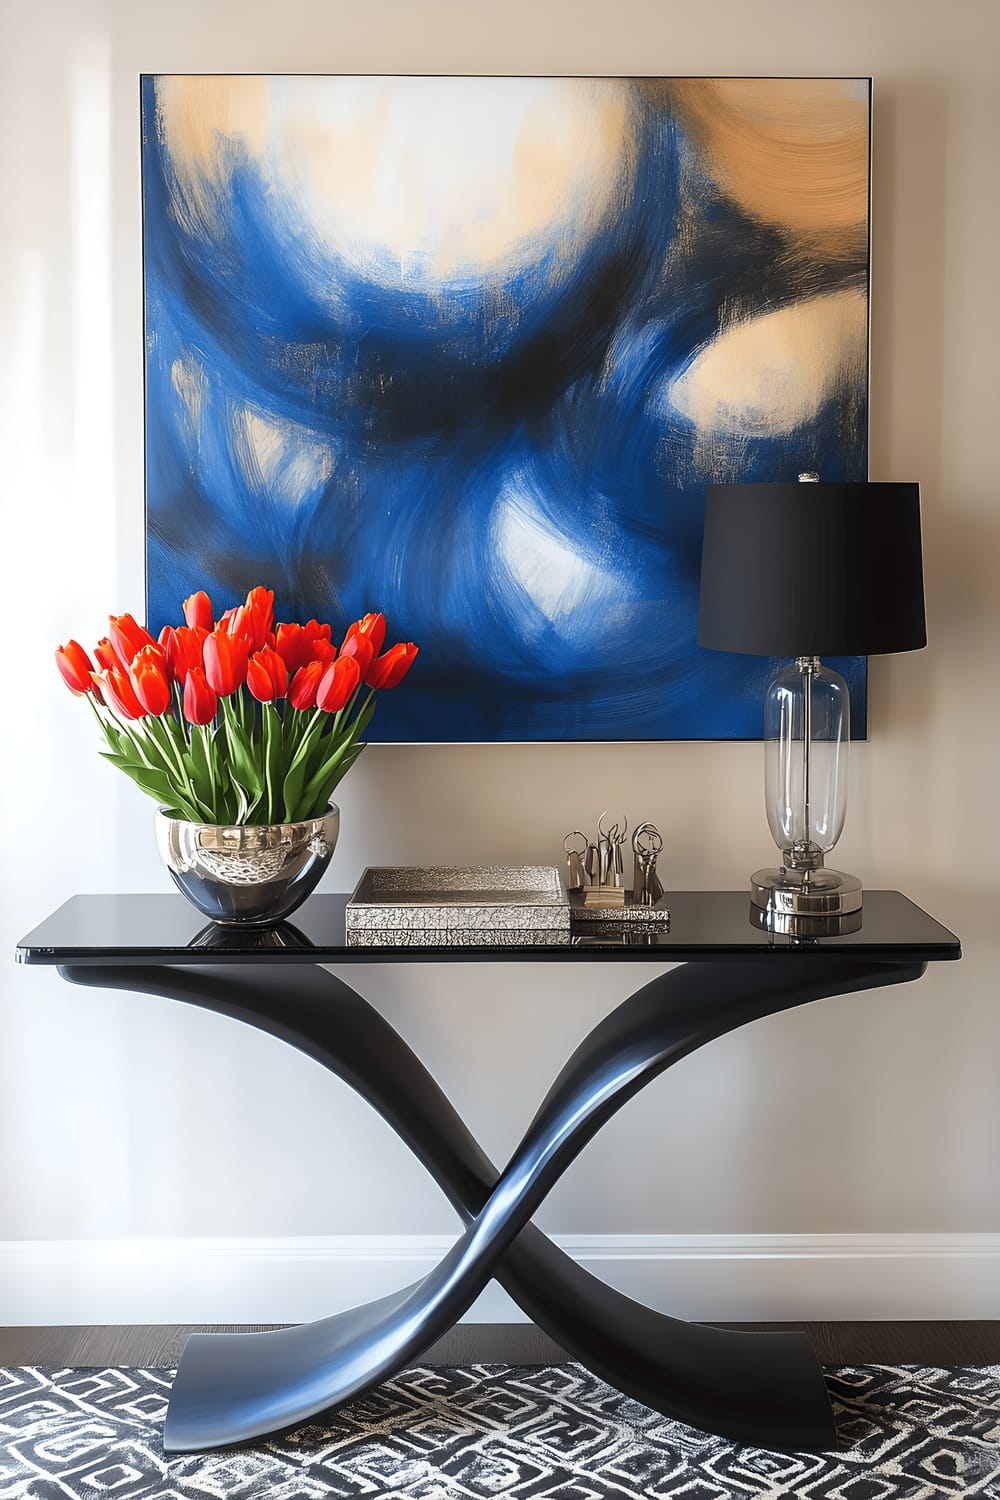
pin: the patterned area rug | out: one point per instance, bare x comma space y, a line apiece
484, 1432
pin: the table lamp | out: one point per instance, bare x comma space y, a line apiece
804, 570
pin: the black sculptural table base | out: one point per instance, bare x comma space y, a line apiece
767, 1389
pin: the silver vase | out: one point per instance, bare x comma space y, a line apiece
257, 873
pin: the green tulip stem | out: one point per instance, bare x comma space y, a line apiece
172, 746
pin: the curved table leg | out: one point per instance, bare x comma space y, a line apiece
765, 1388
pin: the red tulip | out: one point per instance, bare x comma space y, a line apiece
150, 679
198, 611
128, 637
390, 669
318, 641
303, 686
236, 621
106, 654
225, 660
267, 675
200, 700
360, 649
290, 644
364, 639
183, 649
337, 683
299, 644
260, 608
119, 692
76, 667
371, 627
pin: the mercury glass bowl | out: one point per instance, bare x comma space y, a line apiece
254, 873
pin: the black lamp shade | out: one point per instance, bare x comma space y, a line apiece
812, 569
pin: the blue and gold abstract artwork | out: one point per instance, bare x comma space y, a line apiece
467, 350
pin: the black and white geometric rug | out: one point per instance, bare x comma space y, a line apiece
486, 1432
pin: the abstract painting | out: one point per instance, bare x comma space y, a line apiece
467, 350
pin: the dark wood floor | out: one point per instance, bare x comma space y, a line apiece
510, 1343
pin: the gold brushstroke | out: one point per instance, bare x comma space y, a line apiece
791, 152
766, 376
200, 118
190, 384
278, 456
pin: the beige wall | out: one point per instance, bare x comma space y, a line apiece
125, 1116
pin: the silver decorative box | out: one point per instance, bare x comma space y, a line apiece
459, 905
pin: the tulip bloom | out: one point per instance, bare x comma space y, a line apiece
360, 649
337, 684
390, 669
236, 621
200, 700
371, 628
128, 637
322, 650
299, 644
267, 675
291, 645
318, 641
260, 609
303, 686
76, 667
364, 640
198, 611
150, 680
107, 656
225, 660
183, 648
118, 691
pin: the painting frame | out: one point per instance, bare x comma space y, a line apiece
856, 670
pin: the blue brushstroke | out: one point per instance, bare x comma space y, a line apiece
431, 408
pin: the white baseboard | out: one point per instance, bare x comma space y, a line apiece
711, 1277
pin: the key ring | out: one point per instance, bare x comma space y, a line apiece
612, 834
653, 839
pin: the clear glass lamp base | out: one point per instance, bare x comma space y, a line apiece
806, 902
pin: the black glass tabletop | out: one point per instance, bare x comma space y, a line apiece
165, 929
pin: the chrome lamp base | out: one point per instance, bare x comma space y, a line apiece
814, 902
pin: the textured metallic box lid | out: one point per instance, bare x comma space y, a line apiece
513, 900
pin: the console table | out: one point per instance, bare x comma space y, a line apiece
764, 1388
